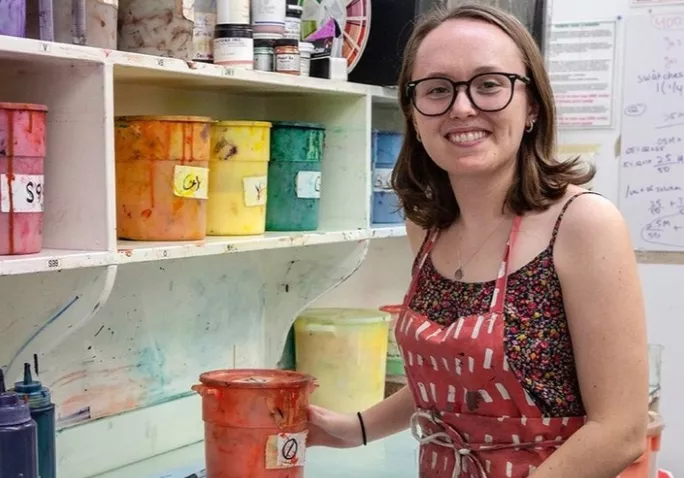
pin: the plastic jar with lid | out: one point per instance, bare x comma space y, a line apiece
293, 22
305, 51
263, 55
234, 46
287, 59
268, 18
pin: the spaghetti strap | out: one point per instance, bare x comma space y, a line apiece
556, 226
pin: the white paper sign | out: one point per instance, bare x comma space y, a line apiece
581, 67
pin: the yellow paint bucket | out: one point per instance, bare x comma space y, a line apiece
346, 351
238, 171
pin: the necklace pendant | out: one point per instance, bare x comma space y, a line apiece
458, 275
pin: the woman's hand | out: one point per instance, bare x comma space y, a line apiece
332, 429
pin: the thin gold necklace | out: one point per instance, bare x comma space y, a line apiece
458, 275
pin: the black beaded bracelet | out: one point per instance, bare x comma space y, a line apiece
363, 428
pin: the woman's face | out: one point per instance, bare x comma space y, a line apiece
465, 140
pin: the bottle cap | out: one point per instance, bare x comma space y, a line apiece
13, 410
32, 391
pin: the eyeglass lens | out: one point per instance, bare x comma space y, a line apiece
490, 92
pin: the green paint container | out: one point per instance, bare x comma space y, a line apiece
294, 176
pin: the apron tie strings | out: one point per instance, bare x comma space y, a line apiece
464, 459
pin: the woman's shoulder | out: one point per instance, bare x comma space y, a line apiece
591, 224
416, 236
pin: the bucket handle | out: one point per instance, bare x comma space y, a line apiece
205, 391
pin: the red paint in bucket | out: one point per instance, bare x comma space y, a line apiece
22, 155
255, 422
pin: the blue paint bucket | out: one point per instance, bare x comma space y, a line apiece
386, 147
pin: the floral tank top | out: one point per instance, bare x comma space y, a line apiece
537, 340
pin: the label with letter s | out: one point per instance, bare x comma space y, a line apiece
286, 450
23, 193
191, 182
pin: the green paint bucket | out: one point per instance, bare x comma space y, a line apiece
294, 176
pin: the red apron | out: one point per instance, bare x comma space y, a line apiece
473, 417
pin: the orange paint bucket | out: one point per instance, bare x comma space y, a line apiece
162, 177
255, 422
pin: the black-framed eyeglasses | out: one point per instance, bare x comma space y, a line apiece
488, 92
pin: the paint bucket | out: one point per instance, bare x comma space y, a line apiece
162, 177
13, 18
395, 377
157, 27
268, 18
386, 207
203, 32
255, 422
346, 350
238, 176
294, 176
234, 46
86, 22
305, 51
646, 465
22, 157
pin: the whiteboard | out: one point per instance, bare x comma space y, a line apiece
652, 150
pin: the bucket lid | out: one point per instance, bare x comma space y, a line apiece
23, 106
183, 119
260, 124
256, 378
297, 124
340, 316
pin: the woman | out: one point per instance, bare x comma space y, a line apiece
531, 366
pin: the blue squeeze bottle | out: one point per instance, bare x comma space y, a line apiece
43, 413
18, 436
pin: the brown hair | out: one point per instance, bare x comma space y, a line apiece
423, 187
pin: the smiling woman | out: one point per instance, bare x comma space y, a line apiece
523, 328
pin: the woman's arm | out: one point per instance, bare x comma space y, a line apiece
603, 300
338, 430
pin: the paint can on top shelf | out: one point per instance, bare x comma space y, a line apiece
238, 172
293, 22
22, 159
83, 22
305, 51
234, 46
294, 176
255, 422
346, 350
232, 12
264, 53
203, 33
162, 177
287, 58
157, 27
13, 18
268, 18
386, 207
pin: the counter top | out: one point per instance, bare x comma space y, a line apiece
394, 457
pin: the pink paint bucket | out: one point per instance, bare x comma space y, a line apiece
22, 155
13, 18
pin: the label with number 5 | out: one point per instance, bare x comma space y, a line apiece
23, 194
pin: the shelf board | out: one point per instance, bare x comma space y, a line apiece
171, 72
133, 251
52, 260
